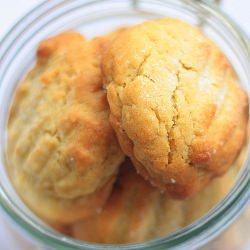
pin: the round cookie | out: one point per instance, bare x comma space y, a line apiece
62, 152
137, 212
176, 105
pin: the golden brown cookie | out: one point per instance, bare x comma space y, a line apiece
62, 152
176, 105
136, 211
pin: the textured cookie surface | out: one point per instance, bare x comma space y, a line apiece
133, 213
175, 103
136, 212
62, 151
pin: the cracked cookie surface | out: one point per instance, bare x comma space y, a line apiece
62, 152
176, 105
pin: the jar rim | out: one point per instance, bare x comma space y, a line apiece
212, 222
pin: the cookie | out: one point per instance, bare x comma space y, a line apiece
62, 152
137, 212
176, 105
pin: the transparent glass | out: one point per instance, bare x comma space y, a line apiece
17, 54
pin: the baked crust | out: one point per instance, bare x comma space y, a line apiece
176, 105
137, 212
62, 152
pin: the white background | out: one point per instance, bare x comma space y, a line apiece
12, 10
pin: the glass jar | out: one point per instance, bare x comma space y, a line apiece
91, 17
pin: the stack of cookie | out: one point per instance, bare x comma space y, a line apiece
159, 93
